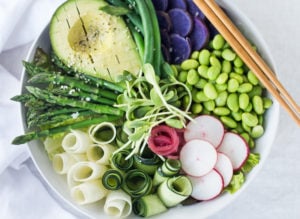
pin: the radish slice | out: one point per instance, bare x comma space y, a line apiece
224, 167
198, 157
206, 128
207, 187
236, 148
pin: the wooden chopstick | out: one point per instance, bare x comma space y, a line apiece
245, 51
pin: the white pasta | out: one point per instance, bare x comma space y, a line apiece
100, 153
62, 162
88, 192
84, 171
76, 142
95, 130
118, 204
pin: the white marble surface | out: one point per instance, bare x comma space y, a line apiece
275, 192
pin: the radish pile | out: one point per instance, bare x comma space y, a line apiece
210, 156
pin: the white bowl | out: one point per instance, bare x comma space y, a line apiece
60, 190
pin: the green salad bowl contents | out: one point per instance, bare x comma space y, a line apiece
142, 109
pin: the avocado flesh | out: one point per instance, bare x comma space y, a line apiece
91, 41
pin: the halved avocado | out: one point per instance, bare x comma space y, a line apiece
93, 42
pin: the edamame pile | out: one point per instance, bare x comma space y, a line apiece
223, 86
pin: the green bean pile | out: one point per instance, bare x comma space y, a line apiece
223, 86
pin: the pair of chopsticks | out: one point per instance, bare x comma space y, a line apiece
245, 51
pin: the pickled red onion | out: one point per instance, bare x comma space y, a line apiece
164, 140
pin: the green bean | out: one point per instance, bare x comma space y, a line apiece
226, 66
195, 55
245, 88
215, 62
210, 91
238, 70
222, 78
249, 107
221, 87
244, 101
249, 119
236, 76
218, 42
201, 83
258, 106
148, 31
233, 85
246, 127
256, 90
195, 96
196, 108
221, 99
189, 64
252, 78
267, 102
217, 53
204, 57
246, 136
175, 70
209, 105
213, 72
257, 131
202, 70
229, 122
192, 77
237, 116
238, 62
201, 96
182, 77
233, 102
228, 54
185, 101
251, 143
221, 111
157, 54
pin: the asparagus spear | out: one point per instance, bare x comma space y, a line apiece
93, 81
52, 131
72, 82
63, 119
82, 95
33, 69
65, 101
55, 116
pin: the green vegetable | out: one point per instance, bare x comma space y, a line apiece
148, 164
174, 190
237, 181
92, 41
137, 183
64, 101
218, 42
52, 131
112, 179
120, 162
251, 162
157, 97
148, 205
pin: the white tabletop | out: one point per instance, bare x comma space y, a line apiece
275, 192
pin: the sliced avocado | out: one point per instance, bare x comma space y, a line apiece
93, 42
